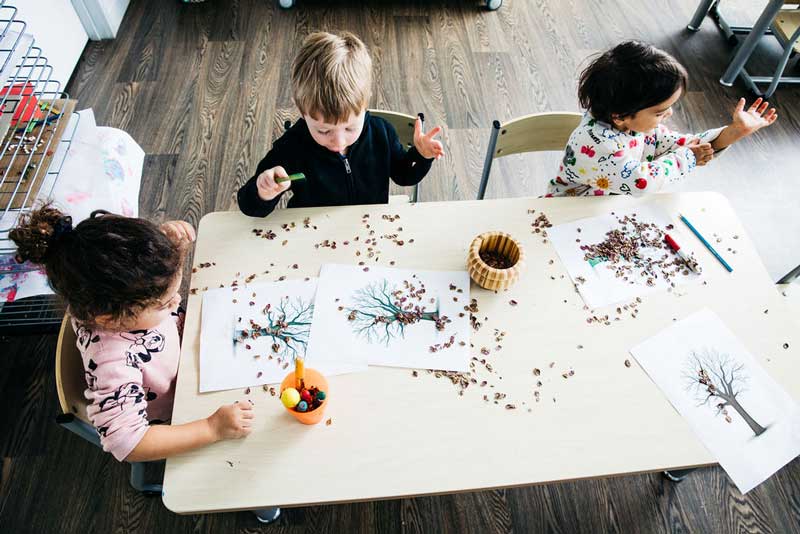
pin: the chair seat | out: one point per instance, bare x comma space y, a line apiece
786, 23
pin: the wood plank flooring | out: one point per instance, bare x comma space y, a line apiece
204, 89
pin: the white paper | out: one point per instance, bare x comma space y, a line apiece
747, 421
349, 300
597, 283
102, 170
226, 362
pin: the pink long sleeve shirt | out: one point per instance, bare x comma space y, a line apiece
130, 379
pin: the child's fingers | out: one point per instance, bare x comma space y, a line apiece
246, 406
190, 231
755, 104
417, 127
248, 415
434, 132
279, 172
740, 105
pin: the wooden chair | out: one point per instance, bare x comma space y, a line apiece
404, 126
532, 133
71, 384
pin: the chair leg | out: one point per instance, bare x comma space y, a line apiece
751, 41
487, 164
138, 483
787, 52
267, 515
677, 475
700, 14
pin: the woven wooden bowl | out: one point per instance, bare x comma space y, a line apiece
489, 277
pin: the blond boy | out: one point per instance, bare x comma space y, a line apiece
346, 154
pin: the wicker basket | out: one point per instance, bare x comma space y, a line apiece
489, 277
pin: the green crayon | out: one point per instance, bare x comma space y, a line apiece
291, 178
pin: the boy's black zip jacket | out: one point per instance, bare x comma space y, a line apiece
360, 177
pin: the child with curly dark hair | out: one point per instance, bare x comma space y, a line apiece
622, 145
120, 278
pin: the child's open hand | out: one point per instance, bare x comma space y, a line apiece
749, 121
181, 233
703, 152
232, 421
426, 145
268, 188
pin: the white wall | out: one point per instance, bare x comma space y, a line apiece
57, 30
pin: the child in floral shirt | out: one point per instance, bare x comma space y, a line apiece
120, 278
621, 145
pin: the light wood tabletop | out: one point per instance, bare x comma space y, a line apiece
392, 434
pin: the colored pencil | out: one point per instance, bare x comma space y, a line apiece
706, 243
291, 178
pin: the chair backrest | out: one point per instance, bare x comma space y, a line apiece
536, 133
532, 133
403, 124
70, 376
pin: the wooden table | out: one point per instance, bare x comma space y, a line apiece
395, 435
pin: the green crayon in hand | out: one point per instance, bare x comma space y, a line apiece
291, 178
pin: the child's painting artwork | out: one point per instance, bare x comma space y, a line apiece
393, 317
747, 421
622, 255
16, 285
251, 334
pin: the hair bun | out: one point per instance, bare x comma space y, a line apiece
38, 231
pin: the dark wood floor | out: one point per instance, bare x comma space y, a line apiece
204, 90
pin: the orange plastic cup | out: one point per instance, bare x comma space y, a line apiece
312, 379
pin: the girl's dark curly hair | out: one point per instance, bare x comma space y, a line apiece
107, 265
628, 78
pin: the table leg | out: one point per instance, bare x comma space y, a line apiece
700, 14
751, 41
676, 475
267, 515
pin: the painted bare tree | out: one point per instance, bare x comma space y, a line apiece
716, 380
380, 312
288, 324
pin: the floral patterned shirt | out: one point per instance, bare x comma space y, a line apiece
601, 160
130, 378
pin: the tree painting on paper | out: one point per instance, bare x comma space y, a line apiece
381, 312
716, 380
288, 324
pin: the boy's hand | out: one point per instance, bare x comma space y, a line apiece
746, 122
181, 233
703, 152
268, 188
232, 421
426, 145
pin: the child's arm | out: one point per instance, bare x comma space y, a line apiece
162, 441
745, 122
409, 168
260, 195
614, 166
668, 142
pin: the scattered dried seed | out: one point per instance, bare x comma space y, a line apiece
627, 363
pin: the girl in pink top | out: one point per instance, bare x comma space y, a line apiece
120, 278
